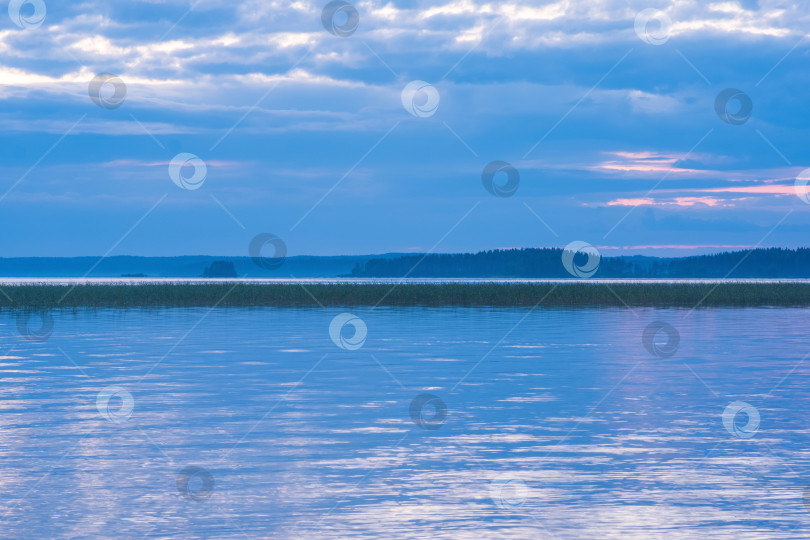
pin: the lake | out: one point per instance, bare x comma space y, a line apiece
406, 423
305, 281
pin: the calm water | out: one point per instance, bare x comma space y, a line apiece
296, 281
544, 424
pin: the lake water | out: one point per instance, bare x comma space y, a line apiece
306, 281
406, 423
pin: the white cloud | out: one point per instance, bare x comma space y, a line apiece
228, 63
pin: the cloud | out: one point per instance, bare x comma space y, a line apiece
675, 201
759, 190
646, 162
299, 107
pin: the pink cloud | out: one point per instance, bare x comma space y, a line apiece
670, 198
676, 201
665, 164
645, 162
762, 189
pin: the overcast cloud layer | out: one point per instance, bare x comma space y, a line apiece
612, 127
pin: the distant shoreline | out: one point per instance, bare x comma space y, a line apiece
568, 294
524, 263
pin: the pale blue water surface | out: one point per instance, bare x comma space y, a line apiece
558, 424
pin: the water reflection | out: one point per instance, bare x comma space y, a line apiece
552, 423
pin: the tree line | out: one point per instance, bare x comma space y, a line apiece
547, 263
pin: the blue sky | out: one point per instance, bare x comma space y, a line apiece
303, 133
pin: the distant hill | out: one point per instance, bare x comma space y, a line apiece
220, 269
512, 263
191, 266
546, 263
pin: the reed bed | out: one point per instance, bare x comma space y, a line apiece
38, 296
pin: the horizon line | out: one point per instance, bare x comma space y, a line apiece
729, 248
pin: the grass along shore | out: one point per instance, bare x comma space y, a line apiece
44, 296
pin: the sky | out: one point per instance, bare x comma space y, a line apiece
190, 127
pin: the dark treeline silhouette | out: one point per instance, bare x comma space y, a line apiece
547, 263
